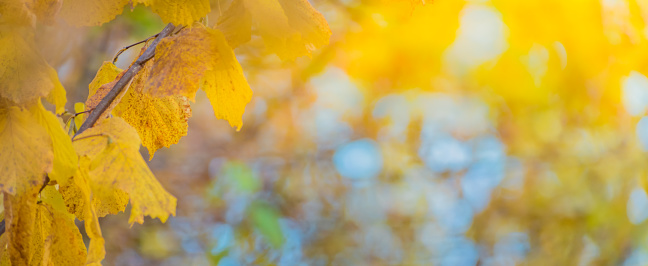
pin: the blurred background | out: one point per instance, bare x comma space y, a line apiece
441, 132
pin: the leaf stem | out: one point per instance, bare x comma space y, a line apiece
124, 81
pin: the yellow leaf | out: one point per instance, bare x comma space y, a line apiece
289, 28
236, 24
179, 12
20, 213
25, 150
16, 13
25, 12
159, 122
77, 195
80, 118
180, 62
96, 95
105, 201
106, 73
228, 92
4, 250
91, 12
56, 239
65, 158
46, 10
24, 74
113, 147
57, 96
199, 53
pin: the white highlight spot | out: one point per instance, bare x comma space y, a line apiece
635, 93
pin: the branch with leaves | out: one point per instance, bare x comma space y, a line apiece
124, 81
99, 170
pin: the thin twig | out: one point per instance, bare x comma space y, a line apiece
90, 136
123, 81
129, 46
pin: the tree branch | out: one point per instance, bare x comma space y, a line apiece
124, 81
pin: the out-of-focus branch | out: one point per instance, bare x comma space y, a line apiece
124, 81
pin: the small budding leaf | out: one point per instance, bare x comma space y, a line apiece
120, 165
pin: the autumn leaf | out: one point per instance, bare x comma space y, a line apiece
110, 201
25, 150
179, 12
173, 74
182, 61
107, 72
26, 12
56, 239
58, 96
5, 260
113, 148
91, 12
159, 121
80, 117
20, 213
77, 194
99, 90
24, 74
236, 24
289, 28
65, 158
97, 12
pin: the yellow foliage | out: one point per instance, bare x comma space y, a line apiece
290, 28
113, 148
77, 194
236, 24
97, 94
91, 12
80, 118
25, 150
65, 159
58, 96
26, 12
97, 12
159, 122
24, 74
20, 214
198, 53
180, 62
107, 72
55, 240
179, 12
